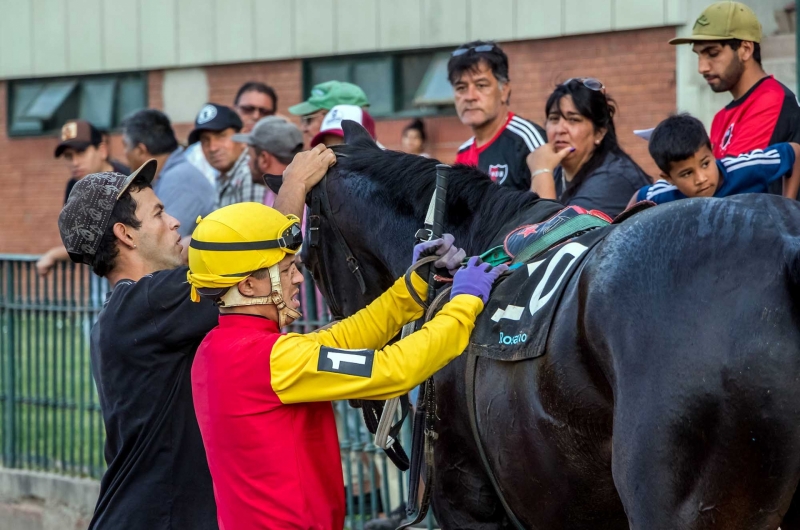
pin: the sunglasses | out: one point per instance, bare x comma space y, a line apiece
250, 109
308, 119
292, 238
589, 82
483, 48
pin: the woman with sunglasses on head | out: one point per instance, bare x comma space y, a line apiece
262, 397
582, 163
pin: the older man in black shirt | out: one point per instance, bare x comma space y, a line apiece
144, 342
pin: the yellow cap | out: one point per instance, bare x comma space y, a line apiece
724, 21
231, 243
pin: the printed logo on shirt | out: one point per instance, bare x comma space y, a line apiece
726, 138
498, 173
349, 362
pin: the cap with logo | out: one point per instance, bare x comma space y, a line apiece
332, 124
84, 218
78, 135
274, 135
213, 117
325, 96
724, 21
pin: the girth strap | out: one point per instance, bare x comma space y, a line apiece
472, 367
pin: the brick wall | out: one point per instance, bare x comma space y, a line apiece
637, 67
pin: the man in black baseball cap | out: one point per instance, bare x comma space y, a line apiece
142, 348
214, 128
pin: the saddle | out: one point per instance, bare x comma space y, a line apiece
543, 258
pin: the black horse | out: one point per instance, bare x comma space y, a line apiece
669, 394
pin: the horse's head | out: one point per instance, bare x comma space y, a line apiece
371, 235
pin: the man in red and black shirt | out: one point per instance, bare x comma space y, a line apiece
478, 72
726, 38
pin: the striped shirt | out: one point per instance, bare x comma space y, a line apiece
236, 185
503, 157
748, 173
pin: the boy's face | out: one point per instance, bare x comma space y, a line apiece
697, 176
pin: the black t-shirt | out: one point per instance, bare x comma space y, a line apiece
503, 157
608, 188
119, 168
142, 349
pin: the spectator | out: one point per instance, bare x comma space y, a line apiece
214, 127
726, 39
254, 101
272, 144
85, 151
331, 132
414, 138
324, 97
184, 190
682, 151
582, 162
478, 72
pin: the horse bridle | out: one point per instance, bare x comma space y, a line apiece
321, 207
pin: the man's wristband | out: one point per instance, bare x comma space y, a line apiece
539, 172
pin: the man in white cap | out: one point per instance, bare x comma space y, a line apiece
331, 133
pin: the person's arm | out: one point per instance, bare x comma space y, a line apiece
541, 163
49, 259
305, 171
303, 369
791, 185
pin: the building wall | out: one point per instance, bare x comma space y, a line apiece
57, 37
637, 67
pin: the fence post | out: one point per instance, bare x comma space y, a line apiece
9, 428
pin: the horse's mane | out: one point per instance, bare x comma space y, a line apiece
405, 183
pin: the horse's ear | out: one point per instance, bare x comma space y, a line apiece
355, 133
273, 182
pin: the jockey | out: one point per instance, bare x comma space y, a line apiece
262, 397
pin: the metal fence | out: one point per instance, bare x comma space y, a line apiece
50, 417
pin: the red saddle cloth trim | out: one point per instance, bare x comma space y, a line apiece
537, 229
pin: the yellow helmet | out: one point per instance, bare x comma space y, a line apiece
235, 241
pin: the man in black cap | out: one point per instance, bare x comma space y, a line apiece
272, 144
85, 151
144, 342
214, 128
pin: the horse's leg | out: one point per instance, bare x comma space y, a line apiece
463, 497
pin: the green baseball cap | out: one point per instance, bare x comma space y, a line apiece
325, 96
724, 21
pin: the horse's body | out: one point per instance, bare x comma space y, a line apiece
669, 395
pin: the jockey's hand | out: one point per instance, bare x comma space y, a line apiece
308, 168
450, 256
476, 278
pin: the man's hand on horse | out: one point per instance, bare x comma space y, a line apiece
308, 168
476, 278
450, 256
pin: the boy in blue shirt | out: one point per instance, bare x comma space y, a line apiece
682, 151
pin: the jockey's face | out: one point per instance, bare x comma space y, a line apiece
697, 176
480, 98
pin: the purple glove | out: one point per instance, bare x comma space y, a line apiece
476, 278
450, 255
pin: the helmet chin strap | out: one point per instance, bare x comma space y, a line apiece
233, 298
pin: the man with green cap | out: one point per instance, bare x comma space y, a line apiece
726, 38
324, 97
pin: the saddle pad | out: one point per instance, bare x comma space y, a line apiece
515, 323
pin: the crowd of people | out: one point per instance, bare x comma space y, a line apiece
189, 441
